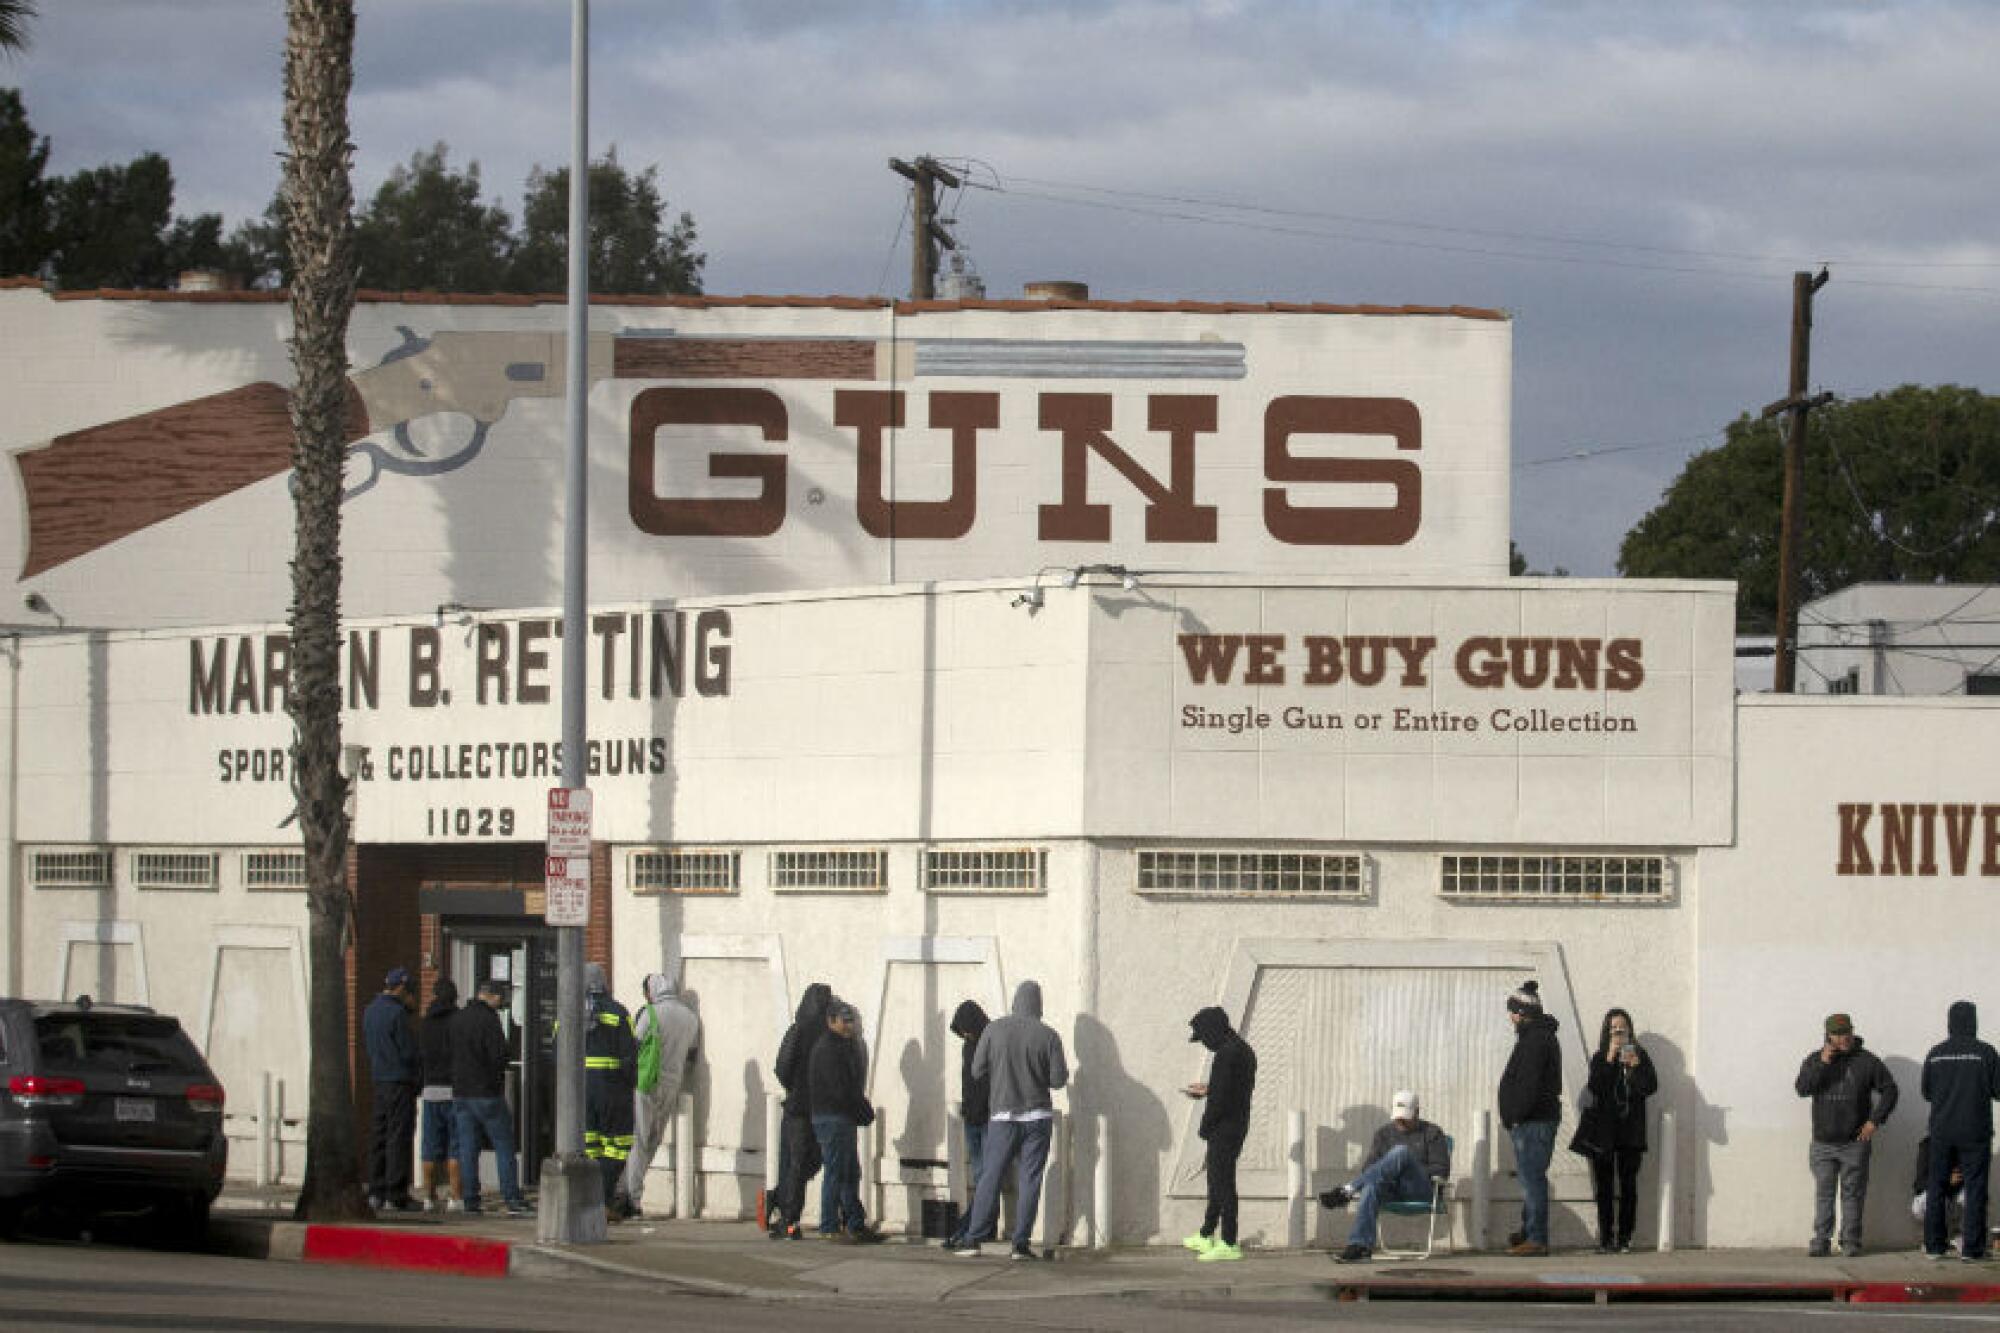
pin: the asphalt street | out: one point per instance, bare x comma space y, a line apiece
55, 1285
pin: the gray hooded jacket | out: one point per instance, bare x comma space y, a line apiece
1022, 1056
680, 1031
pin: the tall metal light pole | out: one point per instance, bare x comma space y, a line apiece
572, 1203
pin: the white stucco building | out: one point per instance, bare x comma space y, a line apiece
1161, 653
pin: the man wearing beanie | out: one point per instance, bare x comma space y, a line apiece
1405, 1162
1852, 1095
1530, 1106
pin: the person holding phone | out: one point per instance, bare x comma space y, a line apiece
1225, 1123
1612, 1132
1852, 1095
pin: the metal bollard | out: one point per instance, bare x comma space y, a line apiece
1100, 1188
1668, 1170
1055, 1197
1295, 1180
874, 1186
1482, 1182
267, 1134
955, 1165
774, 1132
685, 1159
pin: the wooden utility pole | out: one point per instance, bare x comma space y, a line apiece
1797, 405
926, 232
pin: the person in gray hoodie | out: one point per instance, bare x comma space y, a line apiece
1023, 1058
665, 1020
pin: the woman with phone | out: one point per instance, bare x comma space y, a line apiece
1612, 1132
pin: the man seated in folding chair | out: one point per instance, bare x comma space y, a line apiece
1406, 1161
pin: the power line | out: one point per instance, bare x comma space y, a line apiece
1581, 453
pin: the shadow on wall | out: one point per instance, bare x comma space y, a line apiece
1142, 1135
1886, 1221
1334, 1156
1700, 1129
752, 1138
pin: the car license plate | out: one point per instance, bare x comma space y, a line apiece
134, 1108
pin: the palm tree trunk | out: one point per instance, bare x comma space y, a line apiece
318, 200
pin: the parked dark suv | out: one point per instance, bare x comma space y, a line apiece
108, 1108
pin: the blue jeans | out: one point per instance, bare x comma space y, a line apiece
486, 1117
440, 1132
975, 1163
1534, 1145
1397, 1178
1972, 1159
1026, 1142
840, 1187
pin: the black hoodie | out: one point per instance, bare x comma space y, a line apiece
975, 1094
1850, 1090
1961, 1079
1531, 1086
1232, 1077
434, 1035
795, 1051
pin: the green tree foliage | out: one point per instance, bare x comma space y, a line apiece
427, 230
24, 194
14, 16
1901, 487
632, 251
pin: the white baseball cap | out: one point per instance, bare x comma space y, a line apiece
1404, 1107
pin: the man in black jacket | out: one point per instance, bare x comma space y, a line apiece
1530, 1107
839, 1109
1961, 1080
798, 1152
610, 1077
1852, 1096
478, 1097
1225, 1123
394, 1070
975, 1091
1407, 1159
439, 1133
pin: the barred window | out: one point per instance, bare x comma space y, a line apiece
686, 871
175, 870
72, 870
852, 869
1557, 878
274, 870
1019, 869
1307, 874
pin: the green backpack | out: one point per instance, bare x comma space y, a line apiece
649, 1054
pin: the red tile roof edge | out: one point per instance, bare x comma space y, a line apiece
901, 307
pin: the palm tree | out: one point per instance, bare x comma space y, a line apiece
318, 202
14, 16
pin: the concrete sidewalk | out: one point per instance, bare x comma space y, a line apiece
735, 1259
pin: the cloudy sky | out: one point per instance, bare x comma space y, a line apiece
1636, 183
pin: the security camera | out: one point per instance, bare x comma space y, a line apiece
37, 603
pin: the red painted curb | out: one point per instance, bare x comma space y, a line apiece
381, 1247
1925, 1293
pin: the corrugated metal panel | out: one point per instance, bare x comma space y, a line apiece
1338, 1041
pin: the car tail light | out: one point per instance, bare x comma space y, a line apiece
205, 1098
35, 1090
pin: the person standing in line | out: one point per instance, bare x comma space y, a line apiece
1961, 1080
1612, 1132
610, 1074
395, 1067
1852, 1096
840, 1110
798, 1151
1530, 1108
1406, 1160
1225, 1123
668, 1024
968, 1024
440, 1141
1024, 1058
478, 1098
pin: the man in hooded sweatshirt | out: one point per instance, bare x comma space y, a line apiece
1225, 1123
666, 1020
838, 1076
610, 1068
1961, 1080
968, 1024
798, 1150
1852, 1095
440, 1143
1530, 1107
1023, 1057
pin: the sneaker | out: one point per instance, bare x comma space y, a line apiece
1937, 1256
454, 1205
472, 1207
1606, 1247
865, 1235
1023, 1254
1625, 1246
1336, 1198
405, 1205
1515, 1238
1354, 1254
1979, 1258
519, 1208
1220, 1253
1199, 1243
841, 1237
1819, 1249
966, 1249
792, 1232
375, 1202
1850, 1251
1528, 1249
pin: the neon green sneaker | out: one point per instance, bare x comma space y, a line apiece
1220, 1253
1201, 1244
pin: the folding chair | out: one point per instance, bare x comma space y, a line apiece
1436, 1211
